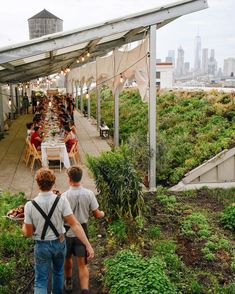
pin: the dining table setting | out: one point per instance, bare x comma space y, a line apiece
53, 137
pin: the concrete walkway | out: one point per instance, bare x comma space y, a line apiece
16, 177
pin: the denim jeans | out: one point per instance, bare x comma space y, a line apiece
49, 256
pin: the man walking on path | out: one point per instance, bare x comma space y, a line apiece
44, 219
82, 201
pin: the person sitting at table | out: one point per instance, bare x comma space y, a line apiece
36, 139
69, 138
73, 128
30, 130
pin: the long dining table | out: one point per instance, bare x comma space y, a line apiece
53, 139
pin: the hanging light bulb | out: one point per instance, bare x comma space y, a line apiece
83, 58
88, 54
121, 79
78, 60
9, 102
8, 86
38, 81
87, 94
67, 69
26, 86
50, 103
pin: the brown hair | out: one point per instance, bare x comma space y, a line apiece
75, 174
45, 179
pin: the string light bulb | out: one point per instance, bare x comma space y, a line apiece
67, 69
87, 94
78, 60
38, 81
9, 102
83, 58
121, 79
8, 86
88, 54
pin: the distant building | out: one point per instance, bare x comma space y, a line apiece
229, 67
197, 57
212, 63
205, 60
186, 67
171, 56
164, 75
180, 62
44, 23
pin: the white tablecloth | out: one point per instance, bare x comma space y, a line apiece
63, 154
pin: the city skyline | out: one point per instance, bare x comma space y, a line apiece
215, 24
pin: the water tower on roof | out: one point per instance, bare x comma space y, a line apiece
44, 23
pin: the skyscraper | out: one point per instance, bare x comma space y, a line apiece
197, 56
180, 62
205, 60
171, 56
212, 63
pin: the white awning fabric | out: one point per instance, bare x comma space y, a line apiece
108, 70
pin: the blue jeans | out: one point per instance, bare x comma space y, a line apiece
49, 255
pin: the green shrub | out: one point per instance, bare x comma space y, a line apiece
228, 218
118, 229
153, 232
195, 225
127, 273
117, 183
6, 271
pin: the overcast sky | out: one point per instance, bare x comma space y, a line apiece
216, 24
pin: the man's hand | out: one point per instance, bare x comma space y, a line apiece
90, 252
98, 213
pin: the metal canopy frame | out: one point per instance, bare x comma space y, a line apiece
47, 55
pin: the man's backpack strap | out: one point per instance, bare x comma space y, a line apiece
47, 218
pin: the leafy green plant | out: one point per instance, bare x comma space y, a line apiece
118, 229
195, 225
118, 183
166, 200
228, 218
153, 231
6, 271
128, 272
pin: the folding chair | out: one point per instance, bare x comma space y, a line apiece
26, 151
36, 156
54, 153
74, 153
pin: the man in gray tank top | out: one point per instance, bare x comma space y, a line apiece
82, 201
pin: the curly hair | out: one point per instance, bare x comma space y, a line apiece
45, 179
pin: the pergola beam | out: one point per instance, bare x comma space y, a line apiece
8, 66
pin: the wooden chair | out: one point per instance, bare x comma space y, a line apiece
74, 153
36, 156
54, 153
28, 152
